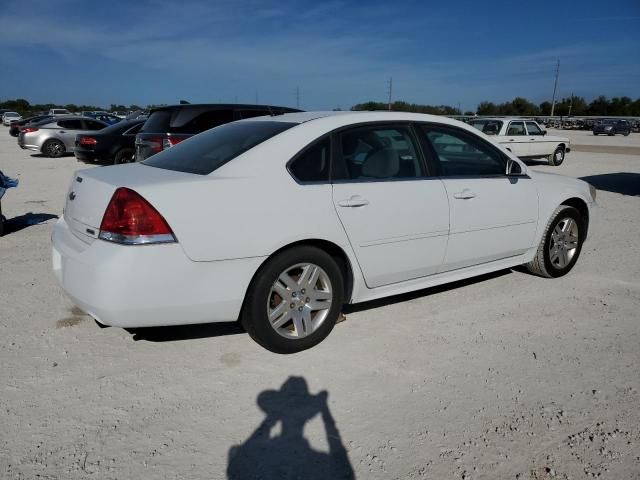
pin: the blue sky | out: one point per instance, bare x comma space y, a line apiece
338, 53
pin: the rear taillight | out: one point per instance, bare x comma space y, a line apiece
170, 142
88, 141
131, 220
155, 144
29, 129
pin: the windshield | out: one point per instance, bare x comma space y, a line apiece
204, 153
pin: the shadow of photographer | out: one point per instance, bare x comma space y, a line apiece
289, 455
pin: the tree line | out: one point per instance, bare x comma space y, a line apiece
519, 106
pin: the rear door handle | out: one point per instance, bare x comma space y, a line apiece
464, 194
354, 201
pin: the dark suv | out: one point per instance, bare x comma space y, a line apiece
611, 126
168, 126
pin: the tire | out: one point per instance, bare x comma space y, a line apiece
557, 157
595, 133
53, 148
299, 326
626, 134
545, 264
123, 156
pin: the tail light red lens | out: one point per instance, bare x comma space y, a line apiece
129, 219
171, 141
88, 141
29, 129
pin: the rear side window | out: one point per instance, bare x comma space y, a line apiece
205, 153
71, 124
93, 125
516, 128
312, 165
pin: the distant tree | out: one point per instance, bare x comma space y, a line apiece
545, 108
600, 106
487, 108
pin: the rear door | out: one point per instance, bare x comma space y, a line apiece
395, 215
493, 216
67, 131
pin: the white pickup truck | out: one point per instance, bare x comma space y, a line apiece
525, 138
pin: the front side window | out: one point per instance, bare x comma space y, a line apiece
516, 128
462, 154
377, 153
533, 128
204, 153
312, 165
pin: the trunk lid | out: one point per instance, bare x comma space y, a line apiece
91, 190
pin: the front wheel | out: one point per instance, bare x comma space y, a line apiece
557, 157
294, 300
561, 243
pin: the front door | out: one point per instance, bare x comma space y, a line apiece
516, 139
395, 216
67, 131
493, 216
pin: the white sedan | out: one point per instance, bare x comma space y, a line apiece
279, 221
525, 138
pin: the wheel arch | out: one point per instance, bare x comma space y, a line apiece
582, 207
336, 252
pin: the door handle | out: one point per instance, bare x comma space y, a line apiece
354, 201
464, 194
511, 139
62, 131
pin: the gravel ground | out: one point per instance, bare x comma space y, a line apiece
505, 376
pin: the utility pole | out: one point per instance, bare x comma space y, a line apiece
555, 86
570, 104
390, 91
297, 97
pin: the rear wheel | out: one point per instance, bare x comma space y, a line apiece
53, 148
294, 300
557, 157
124, 156
561, 244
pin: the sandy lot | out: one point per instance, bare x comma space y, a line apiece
506, 376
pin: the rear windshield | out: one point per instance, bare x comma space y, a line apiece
186, 120
210, 150
488, 127
120, 127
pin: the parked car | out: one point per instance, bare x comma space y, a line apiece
168, 126
113, 144
279, 221
55, 136
14, 129
525, 138
611, 126
59, 112
120, 115
105, 117
9, 117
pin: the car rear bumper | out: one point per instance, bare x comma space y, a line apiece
145, 286
91, 155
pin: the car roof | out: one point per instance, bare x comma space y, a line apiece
222, 106
342, 118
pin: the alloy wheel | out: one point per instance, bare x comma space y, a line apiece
299, 300
564, 243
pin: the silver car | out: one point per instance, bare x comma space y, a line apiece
57, 136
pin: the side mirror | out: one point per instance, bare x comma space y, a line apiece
514, 168
544, 132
